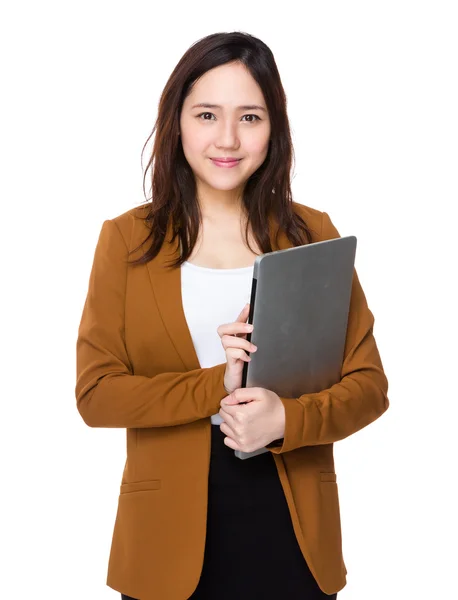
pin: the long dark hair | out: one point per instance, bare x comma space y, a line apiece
267, 193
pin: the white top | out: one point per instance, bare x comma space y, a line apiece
212, 297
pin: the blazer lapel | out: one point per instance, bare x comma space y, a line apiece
166, 283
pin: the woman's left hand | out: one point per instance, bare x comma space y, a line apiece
251, 426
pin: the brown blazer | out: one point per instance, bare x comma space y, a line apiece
137, 369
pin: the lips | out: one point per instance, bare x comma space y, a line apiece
225, 162
228, 159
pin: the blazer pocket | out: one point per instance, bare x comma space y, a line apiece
328, 477
141, 486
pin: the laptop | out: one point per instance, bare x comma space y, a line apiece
300, 299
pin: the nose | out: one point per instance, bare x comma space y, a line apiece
227, 135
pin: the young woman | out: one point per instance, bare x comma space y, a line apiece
163, 340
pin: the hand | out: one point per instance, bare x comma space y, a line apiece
255, 424
236, 348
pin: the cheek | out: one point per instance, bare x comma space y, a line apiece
258, 152
195, 149
195, 138
256, 146
192, 144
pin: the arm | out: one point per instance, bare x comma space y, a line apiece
107, 393
357, 400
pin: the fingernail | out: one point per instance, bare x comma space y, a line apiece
249, 327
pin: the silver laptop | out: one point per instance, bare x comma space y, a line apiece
300, 299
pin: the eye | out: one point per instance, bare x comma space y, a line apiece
205, 113
256, 118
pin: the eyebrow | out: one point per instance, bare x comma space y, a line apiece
244, 107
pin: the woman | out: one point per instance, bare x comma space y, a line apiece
163, 340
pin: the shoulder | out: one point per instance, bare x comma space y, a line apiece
132, 215
313, 218
131, 223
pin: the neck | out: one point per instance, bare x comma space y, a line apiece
216, 204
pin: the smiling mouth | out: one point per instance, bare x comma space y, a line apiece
225, 164
226, 159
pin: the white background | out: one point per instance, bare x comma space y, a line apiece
372, 98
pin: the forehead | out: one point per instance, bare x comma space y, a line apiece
227, 85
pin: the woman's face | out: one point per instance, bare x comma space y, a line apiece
236, 125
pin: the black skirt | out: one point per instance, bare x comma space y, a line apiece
251, 550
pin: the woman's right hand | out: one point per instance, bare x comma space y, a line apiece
233, 338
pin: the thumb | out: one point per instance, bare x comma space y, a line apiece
238, 396
229, 400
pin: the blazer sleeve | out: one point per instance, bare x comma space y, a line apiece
107, 393
358, 399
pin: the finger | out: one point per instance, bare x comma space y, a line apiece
227, 418
224, 427
235, 328
235, 354
243, 316
229, 442
242, 396
229, 341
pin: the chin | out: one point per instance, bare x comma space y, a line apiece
225, 185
